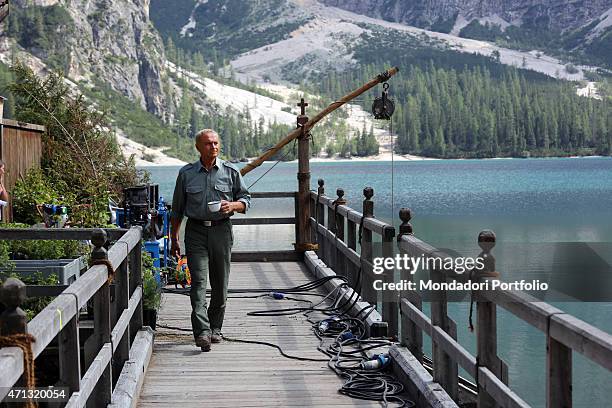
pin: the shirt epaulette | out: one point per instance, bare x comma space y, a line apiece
231, 166
186, 167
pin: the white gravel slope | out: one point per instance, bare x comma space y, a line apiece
238, 99
326, 36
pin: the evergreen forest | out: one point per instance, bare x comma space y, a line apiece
472, 107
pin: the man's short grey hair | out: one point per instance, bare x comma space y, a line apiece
203, 132
2, 163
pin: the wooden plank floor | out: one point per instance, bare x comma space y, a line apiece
245, 375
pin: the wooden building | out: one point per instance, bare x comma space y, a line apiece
21, 150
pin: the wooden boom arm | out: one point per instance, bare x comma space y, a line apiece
308, 125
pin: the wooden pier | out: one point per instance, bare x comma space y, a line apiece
119, 370
237, 374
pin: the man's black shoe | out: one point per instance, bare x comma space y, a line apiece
203, 342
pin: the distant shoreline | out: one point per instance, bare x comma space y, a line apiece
384, 159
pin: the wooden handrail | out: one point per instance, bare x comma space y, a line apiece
60, 316
340, 250
565, 333
264, 221
369, 223
273, 194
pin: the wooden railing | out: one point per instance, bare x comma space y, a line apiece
336, 228
270, 220
564, 333
115, 323
345, 239
258, 256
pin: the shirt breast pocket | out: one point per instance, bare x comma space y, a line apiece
195, 196
224, 192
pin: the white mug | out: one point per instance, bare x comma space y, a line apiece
214, 206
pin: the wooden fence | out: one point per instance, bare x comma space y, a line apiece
338, 228
117, 323
20, 149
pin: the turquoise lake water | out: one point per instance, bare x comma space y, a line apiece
530, 204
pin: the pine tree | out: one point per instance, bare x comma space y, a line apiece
195, 122
372, 146
482, 111
183, 123
171, 50
439, 148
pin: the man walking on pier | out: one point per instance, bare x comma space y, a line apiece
208, 232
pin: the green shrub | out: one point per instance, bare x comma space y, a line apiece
151, 296
35, 188
5, 261
82, 166
47, 249
39, 249
571, 69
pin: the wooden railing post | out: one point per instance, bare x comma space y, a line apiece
302, 201
13, 320
70, 354
313, 211
445, 370
411, 335
390, 299
122, 299
320, 214
558, 373
340, 265
351, 242
486, 330
297, 213
135, 280
330, 255
101, 395
367, 290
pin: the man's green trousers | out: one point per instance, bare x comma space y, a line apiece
208, 251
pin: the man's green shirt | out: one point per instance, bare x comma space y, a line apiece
196, 187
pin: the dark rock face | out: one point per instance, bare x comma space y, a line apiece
150, 84
552, 14
112, 43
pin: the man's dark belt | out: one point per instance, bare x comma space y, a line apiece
209, 223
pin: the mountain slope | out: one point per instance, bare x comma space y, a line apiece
228, 26
329, 37
161, 94
111, 53
112, 42
576, 28
550, 14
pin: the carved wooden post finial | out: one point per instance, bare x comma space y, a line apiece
405, 227
98, 239
486, 241
321, 189
368, 204
340, 200
13, 320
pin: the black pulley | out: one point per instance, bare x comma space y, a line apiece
383, 107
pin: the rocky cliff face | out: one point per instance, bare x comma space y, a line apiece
551, 14
111, 42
